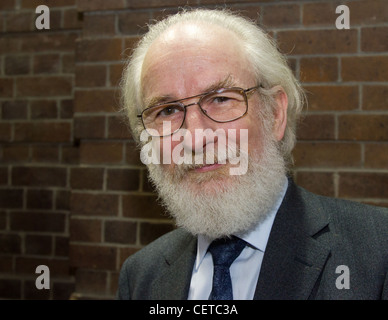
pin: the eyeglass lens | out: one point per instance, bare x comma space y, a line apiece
222, 106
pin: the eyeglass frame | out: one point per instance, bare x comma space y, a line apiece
245, 93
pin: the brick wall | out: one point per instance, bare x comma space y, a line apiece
73, 193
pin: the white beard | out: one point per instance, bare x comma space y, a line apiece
218, 205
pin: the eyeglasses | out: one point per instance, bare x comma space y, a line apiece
222, 105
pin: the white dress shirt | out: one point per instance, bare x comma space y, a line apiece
244, 271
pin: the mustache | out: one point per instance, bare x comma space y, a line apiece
233, 156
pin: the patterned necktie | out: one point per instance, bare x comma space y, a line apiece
224, 252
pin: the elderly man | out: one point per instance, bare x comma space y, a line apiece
249, 233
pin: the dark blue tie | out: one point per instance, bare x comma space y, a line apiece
224, 252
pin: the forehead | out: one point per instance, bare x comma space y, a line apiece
188, 58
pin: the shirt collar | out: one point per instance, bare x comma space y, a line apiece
257, 238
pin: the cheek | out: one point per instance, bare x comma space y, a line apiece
170, 151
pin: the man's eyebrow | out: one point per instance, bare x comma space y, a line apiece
226, 83
159, 100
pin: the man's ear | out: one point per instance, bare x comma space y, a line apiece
280, 114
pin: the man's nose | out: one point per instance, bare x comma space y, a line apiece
195, 120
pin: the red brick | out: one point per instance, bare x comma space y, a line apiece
118, 128
84, 204
16, 153
6, 264
39, 176
123, 179
63, 289
70, 155
95, 101
372, 68
39, 199
123, 232
44, 86
5, 132
61, 248
133, 23
71, 19
87, 178
10, 289
16, 109
20, 21
132, 154
313, 154
319, 13
101, 25
376, 155
281, 15
68, 63
126, 252
44, 109
37, 221
10, 244
27, 265
17, 65
66, 109
115, 73
31, 293
318, 182
85, 230
99, 50
90, 75
11, 198
151, 231
3, 181
374, 39
317, 41
43, 132
142, 206
368, 12
332, 98
93, 257
43, 42
363, 127
89, 127
363, 185
32, 4
319, 69
101, 153
62, 200
96, 5
47, 63
39, 244
317, 127
91, 281
45, 154
375, 97
6, 88
8, 4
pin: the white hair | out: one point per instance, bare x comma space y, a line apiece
269, 67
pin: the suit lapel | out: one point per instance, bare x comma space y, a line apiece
175, 275
294, 257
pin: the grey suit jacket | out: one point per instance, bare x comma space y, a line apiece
311, 237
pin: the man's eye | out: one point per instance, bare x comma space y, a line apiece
168, 111
220, 99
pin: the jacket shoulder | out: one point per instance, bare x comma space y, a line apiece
141, 268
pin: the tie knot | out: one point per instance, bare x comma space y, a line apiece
225, 251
